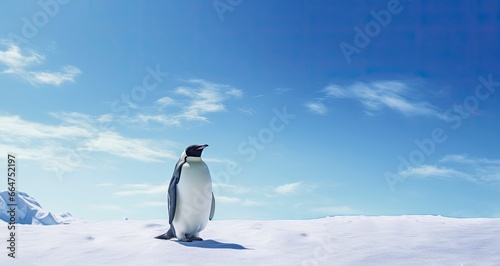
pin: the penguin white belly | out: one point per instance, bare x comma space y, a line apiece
194, 199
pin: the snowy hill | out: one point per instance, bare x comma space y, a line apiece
29, 211
348, 240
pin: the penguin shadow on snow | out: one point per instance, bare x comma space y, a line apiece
212, 244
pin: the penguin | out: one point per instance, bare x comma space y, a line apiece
190, 200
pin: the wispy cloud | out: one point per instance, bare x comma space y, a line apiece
67, 74
28, 130
282, 90
457, 166
376, 96
465, 159
192, 102
224, 199
38, 141
162, 119
121, 146
234, 92
426, 171
165, 101
111, 142
18, 62
219, 160
234, 200
148, 204
457, 158
142, 189
316, 107
479, 169
247, 111
232, 188
105, 185
288, 188
204, 97
79, 134
249, 202
15, 60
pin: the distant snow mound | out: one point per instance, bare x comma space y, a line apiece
29, 211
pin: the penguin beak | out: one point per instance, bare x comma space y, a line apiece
202, 147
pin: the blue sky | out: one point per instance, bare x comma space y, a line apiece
310, 108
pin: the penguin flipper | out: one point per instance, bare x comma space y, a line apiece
172, 201
212, 208
172, 192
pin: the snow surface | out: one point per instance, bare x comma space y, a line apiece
344, 240
347, 240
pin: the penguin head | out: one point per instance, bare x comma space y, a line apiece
195, 150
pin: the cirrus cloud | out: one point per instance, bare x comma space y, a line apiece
193, 101
376, 96
288, 188
18, 62
316, 107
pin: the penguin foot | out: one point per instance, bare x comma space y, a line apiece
191, 239
165, 236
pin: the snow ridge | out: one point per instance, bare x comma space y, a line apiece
29, 211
